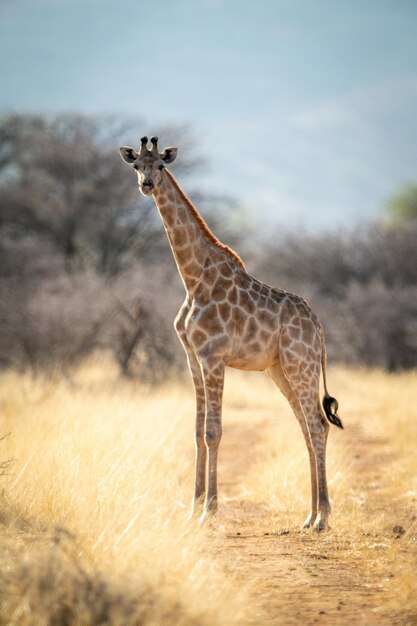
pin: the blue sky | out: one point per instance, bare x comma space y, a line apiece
306, 111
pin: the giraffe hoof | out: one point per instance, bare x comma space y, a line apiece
309, 521
206, 517
196, 508
320, 524
209, 512
193, 514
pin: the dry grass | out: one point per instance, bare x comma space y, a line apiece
372, 472
94, 517
105, 467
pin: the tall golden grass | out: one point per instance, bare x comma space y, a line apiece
94, 513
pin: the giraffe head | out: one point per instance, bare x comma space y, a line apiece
148, 163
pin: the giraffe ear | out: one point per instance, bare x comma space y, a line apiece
169, 155
128, 154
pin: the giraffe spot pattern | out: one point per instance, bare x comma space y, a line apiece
252, 329
180, 237
183, 256
199, 337
232, 296
239, 318
246, 302
224, 269
225, 310
211, 320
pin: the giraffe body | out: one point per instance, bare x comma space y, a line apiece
246, 325
229, 318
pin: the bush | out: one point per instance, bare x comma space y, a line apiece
362, 284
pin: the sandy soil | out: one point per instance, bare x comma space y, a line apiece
300, 577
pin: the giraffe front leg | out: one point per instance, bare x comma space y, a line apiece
213, 374
200, 398
200, 445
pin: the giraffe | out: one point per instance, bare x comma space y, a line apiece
229, 318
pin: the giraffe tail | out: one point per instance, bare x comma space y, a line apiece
330, 404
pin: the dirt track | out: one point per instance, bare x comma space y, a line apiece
299, 577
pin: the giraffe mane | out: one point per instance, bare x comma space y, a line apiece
203, 225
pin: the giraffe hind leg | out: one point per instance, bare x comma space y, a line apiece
305, 385
278, 376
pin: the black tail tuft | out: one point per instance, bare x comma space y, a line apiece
330, 406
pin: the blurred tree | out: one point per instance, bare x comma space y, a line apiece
77, 239
403, 206
362, 283
62, 182
84, 262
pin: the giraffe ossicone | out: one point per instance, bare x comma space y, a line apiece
229, 318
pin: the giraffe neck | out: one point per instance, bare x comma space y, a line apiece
191, 240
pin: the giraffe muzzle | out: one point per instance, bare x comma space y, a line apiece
148, 185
